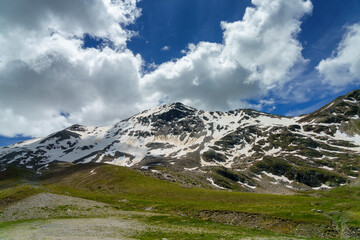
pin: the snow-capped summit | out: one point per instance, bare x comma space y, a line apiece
324, 144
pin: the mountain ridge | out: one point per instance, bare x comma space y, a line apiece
241, 149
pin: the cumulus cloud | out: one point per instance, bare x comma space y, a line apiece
49, 81
343, 68
258, 53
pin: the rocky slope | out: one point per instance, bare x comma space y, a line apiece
242, 149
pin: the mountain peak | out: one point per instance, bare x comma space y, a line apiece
77, 128
177, 105
342, 109
180, 106
244, 148
176, 108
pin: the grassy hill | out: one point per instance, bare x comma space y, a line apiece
329, 214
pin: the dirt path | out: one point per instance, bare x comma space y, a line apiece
100, 228
77, 229
84, 219
47, 205
63, 217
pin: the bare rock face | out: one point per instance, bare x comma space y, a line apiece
242, 149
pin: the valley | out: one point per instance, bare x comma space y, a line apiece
117, 192
175, 172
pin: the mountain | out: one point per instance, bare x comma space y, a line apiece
242, 149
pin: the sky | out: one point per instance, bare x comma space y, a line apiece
95, 62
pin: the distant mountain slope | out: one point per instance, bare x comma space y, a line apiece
242, 149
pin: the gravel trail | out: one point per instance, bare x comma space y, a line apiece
58, 217
47, 205
75, 229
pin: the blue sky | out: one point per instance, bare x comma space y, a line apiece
60, 65
176, 23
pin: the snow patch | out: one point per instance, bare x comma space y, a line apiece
343, 136
258, 177
328, 106
350, 101
246, 185
327, 168
300, 156
191, 169
272, 151
323, 186
214, 184
279, 179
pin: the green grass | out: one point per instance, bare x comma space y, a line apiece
15, 185
129, 190
181, 235
13, 175
6, 225
111, 184
178, 227
175, 227
348, 205
17, 193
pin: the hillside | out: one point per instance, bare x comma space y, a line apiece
242, 150
164, 208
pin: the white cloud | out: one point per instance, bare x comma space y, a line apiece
26, 26
165, 48
257, 54
343, 68
44, 71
